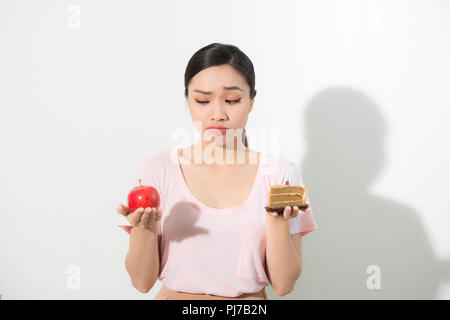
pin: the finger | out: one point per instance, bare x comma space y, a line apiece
153, 214
295, 212
287, 212
158, 215
270, 213
149, 210
306, 209
135, 217
122, 209
145, 219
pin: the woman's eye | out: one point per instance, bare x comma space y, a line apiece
233, 101
229, 101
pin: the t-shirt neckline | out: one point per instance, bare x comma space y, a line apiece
227, 211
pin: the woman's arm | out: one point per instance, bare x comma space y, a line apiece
283, 263
142, 261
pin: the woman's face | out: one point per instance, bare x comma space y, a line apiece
219, 96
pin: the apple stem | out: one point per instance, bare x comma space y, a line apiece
140, 183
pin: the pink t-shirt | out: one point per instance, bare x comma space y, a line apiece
209, 250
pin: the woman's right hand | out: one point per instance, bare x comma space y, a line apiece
146, 219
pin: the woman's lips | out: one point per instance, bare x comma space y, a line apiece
218, 130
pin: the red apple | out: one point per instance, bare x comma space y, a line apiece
143, 197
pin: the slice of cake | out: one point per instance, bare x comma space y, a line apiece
287, 195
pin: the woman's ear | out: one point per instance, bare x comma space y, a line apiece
251, 105
252, 100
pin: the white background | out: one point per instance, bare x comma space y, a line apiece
357, 90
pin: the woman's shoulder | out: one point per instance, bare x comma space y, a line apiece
272, 158
274, 164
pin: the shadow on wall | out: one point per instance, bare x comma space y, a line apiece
346, 136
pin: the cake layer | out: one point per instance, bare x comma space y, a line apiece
284, 204
287, 197
286, 189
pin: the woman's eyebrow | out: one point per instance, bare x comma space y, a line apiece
226, 88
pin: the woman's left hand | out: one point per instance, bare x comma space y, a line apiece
289, 213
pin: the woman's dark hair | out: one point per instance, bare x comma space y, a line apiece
216, 54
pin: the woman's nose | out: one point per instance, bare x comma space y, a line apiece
219, 113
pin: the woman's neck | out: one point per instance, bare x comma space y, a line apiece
218, 156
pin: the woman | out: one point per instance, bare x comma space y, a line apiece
211, 237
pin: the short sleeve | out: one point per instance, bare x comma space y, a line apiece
304, 223
144, 172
